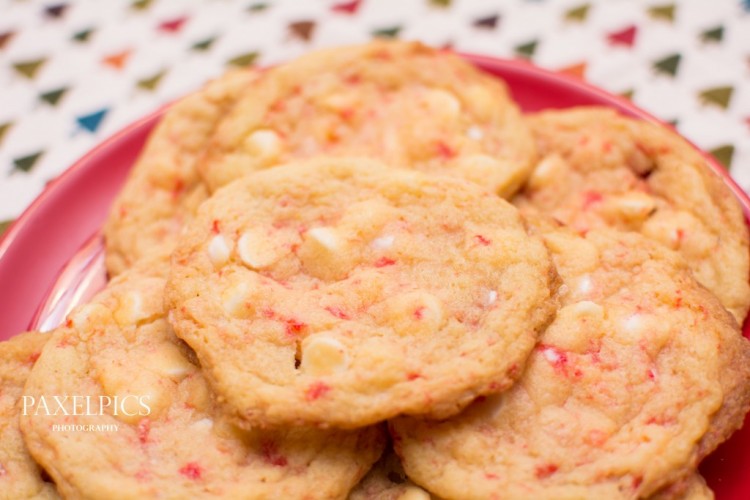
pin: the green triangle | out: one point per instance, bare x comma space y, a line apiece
628, 94
578, 14
4, 127
83, 36
29, 68
26, 163
152, 82
258, 7
53, 96
665, 12
526, 49
713, 35
720, 96
387, 32
244, 59
141, 4
674, 122
440, 3
4, 225
204, 44
668, 65
724, 154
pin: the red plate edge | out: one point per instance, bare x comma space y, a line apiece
40, 242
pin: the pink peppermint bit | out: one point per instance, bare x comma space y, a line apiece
316, 390
192, 470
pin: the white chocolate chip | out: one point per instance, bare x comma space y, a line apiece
325, 236
383, 242
475, 132
547, 171
584, 309
551, 354
219, 250
130, 310
490, 298
167, 362
323, 355
234, 299
414, 493
633, 323
443, 102
633, 206
255, 251
263, 143
585, 285
203, 424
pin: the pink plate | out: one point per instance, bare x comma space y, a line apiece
50, 258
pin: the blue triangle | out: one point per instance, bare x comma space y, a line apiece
91, 122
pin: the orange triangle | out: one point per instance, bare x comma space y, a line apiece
119, 60
576, 70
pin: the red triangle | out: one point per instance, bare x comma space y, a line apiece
576, 70
117, 61
623, 37
5, 38
174, 25
347, 7
747, 121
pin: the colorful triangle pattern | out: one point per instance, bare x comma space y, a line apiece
152, 82
4, 225
578, 14
83, 35
26, 163
173, 25
117, 60
668, 65
56, 11
4, 128
92, 121
488, 22
625, 36
257, 7
713, 35
203, 45
391, 32
347, 7
302, 30
29, 69
717, 96
526, 50
52, 97
724, 155
663, 12
5, 38
440, 3
242, 60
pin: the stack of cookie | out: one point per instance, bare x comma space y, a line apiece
364, 274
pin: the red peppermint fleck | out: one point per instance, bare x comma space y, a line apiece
143, 475
337, 312
316, 390
384, 261
143, 430
413, 376
294, 326
353, 79
271, 454
544, 471
606, 146
419, 312
215, 226
583, 140
482, 240
490, 475
69, 323
192, 470
556, 357
637, 480
179, 187
268, 313
680, 235
590, 198
277, 107
444, 150
651, 374
596, 437
123, 212
33, 357
347, 114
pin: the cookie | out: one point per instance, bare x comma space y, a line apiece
641, 375
387, 481
340, 292
692, 488
602, 169
402, 102
163, 189
20, 476
142, 423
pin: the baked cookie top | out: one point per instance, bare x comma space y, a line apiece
147, 425
641, 374
387, 481
402, 102
20, 476
163, 189
601, 169
340, 292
